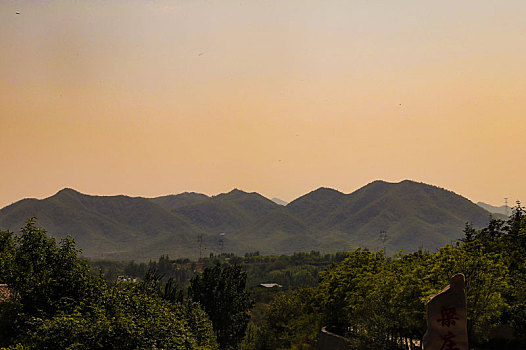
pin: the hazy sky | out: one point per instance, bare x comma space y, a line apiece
147, 98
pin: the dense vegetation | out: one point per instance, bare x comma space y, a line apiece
376, 301
290, 271
56, 303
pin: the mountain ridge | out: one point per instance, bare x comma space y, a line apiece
413, 215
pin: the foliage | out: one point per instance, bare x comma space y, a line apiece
123, 318
295, 271
57, 303
375, 300
486, 280
220, 289
338, 290
379, 302
291, 321
379, 298
43, 277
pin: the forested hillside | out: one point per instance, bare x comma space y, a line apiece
409, 215
376, 301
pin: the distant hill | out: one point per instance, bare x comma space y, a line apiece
502, 210
227, 211
116, 226
279, 201
412, 214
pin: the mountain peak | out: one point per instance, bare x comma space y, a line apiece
174, 201
237, 195
381, 182
408, 182
325, 192
381, 186
319, 197
67, 191
237, 191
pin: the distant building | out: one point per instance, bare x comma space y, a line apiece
127, 279
270, 285
5, 293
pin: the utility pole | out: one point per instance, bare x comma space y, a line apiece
200, 241
221, 243
383, 238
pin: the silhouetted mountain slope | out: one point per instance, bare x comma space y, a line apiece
410, 199
228, 211
252, 204
175, 201
278, 221
100, 224
316, 206
413, 215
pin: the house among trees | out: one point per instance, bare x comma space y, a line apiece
5, 293
270, 285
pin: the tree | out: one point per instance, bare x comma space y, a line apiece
340, 292
43, 277
122, 317
504, 243
486, 281
57, 304
220, 289
291, 321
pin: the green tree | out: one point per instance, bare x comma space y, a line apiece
339, 289
220, 289
57, 304
486, 281
291, 322
43, 277
124, 317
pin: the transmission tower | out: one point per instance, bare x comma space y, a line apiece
200, 241
506, 205
221, 243
383, 238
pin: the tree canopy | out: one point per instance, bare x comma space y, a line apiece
221, 291
57, 303
379, 301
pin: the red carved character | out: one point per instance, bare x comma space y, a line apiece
449, 344
449, 315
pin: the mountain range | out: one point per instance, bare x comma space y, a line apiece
410, 215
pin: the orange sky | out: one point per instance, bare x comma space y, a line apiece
147, 98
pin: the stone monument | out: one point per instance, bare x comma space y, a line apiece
447, 318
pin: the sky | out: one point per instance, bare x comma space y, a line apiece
148, 98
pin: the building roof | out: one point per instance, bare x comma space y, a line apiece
5, 293
270, 285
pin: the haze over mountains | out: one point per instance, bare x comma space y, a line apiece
412, 214
502, 210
